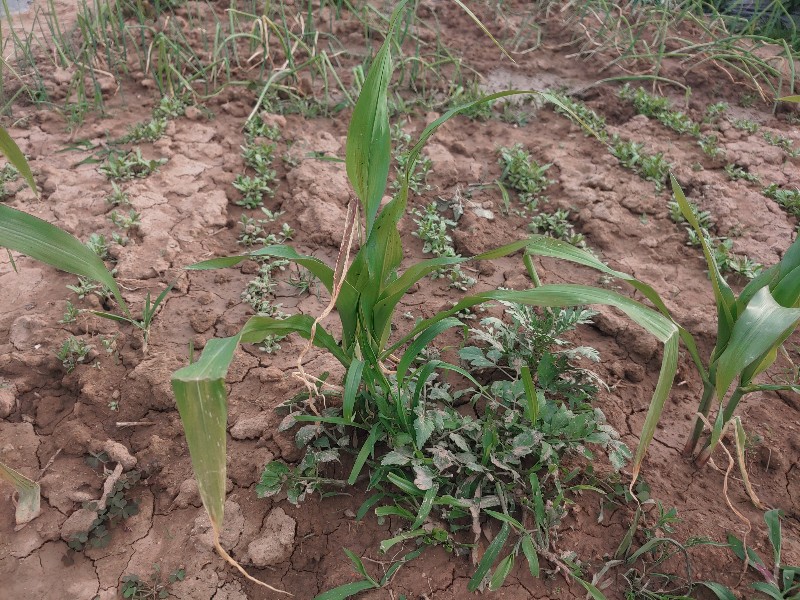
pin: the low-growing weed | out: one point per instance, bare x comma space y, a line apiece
8, 174
256, 128
788, 199
126, 221
736, 172
259, 293
709, 144
658, 108
253, 189
70, 313
111, 510
714, 112
557, 225
253, 231
135, 588
85, 287
460, 95
258, 156
582, 115
747, 125
432, 229
417, 182
73, 352
148, 131
98, 244
172, 107
782, 142
118, 197
524, 175
650, 167
122, 166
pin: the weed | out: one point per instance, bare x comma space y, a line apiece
582, 115
258, 156
73, 352
631, 155
149, 131
171, 107
85, 287
253, 230
736, 172
118, 197
8, 174
788, 199
714, 112
709, 144
557, 225
115, 507
260, 291
524, 175
70, 313
658, 107
747, 125
432, 229
98, 244
135, 588
782, 142
465, 94
423, 165
122, 166
126, 221
256, 128
253, 189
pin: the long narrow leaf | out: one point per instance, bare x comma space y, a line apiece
38, 239
14, 155
489, 557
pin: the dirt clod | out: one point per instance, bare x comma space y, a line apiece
276, 541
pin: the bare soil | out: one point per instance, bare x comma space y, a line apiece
188, 214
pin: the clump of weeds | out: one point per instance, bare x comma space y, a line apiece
121, 166
737, 172
658, 108
8, 174
788, 199
747, 125
433, 229
632, 155
782, 142
73, 351
524, 175
135, 588
557, 225
254, 231
423, 164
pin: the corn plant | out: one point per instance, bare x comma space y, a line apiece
750, 330
366, 293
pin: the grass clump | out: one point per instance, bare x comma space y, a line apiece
524, 175
432, 229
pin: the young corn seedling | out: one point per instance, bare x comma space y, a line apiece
750, 330
377, 401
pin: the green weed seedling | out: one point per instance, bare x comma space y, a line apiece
149, 131
253, 189
736, 172
395, 415
788, 199
73, 352
98, 244
8, 174
118, 197
432, 229
524, 175
172, 107
631, 155
135, 588
709, 144
258, 156
780, 582
70, 313
260, 291
131, 220
658, 108
747, 125
256, 128
577, 112
123, 166
782, 142
557, 225
253, 231
714, 112
471, 94
417, 181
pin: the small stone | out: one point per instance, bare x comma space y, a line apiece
277, 541
78, 522
188, 495
193, 113
119, 453
250, 428
8, 401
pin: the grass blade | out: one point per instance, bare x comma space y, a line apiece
28, 492
500, 574
488, 558
530, 553
773, 520
720, 591
347, 590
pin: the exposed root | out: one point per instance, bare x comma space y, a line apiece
239, 567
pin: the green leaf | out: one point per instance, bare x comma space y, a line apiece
364, 453
406, 535
530, 553
14, 155
762, 327
423, 340
359, 566
44, 242
719, 590
368, 151
769, 589
502, 571
489, 557
773, 520
351, 384
593, 591
789, 99
425, 507
346, 591
531, 396
28, 491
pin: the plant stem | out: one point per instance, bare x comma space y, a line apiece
703, 409
531, 270
727, 413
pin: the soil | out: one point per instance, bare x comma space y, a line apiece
54, 419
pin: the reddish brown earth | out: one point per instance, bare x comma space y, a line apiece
188, 215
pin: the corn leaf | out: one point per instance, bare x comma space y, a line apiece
29, 495
720, 591
15, 156
762, 327
368, 149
